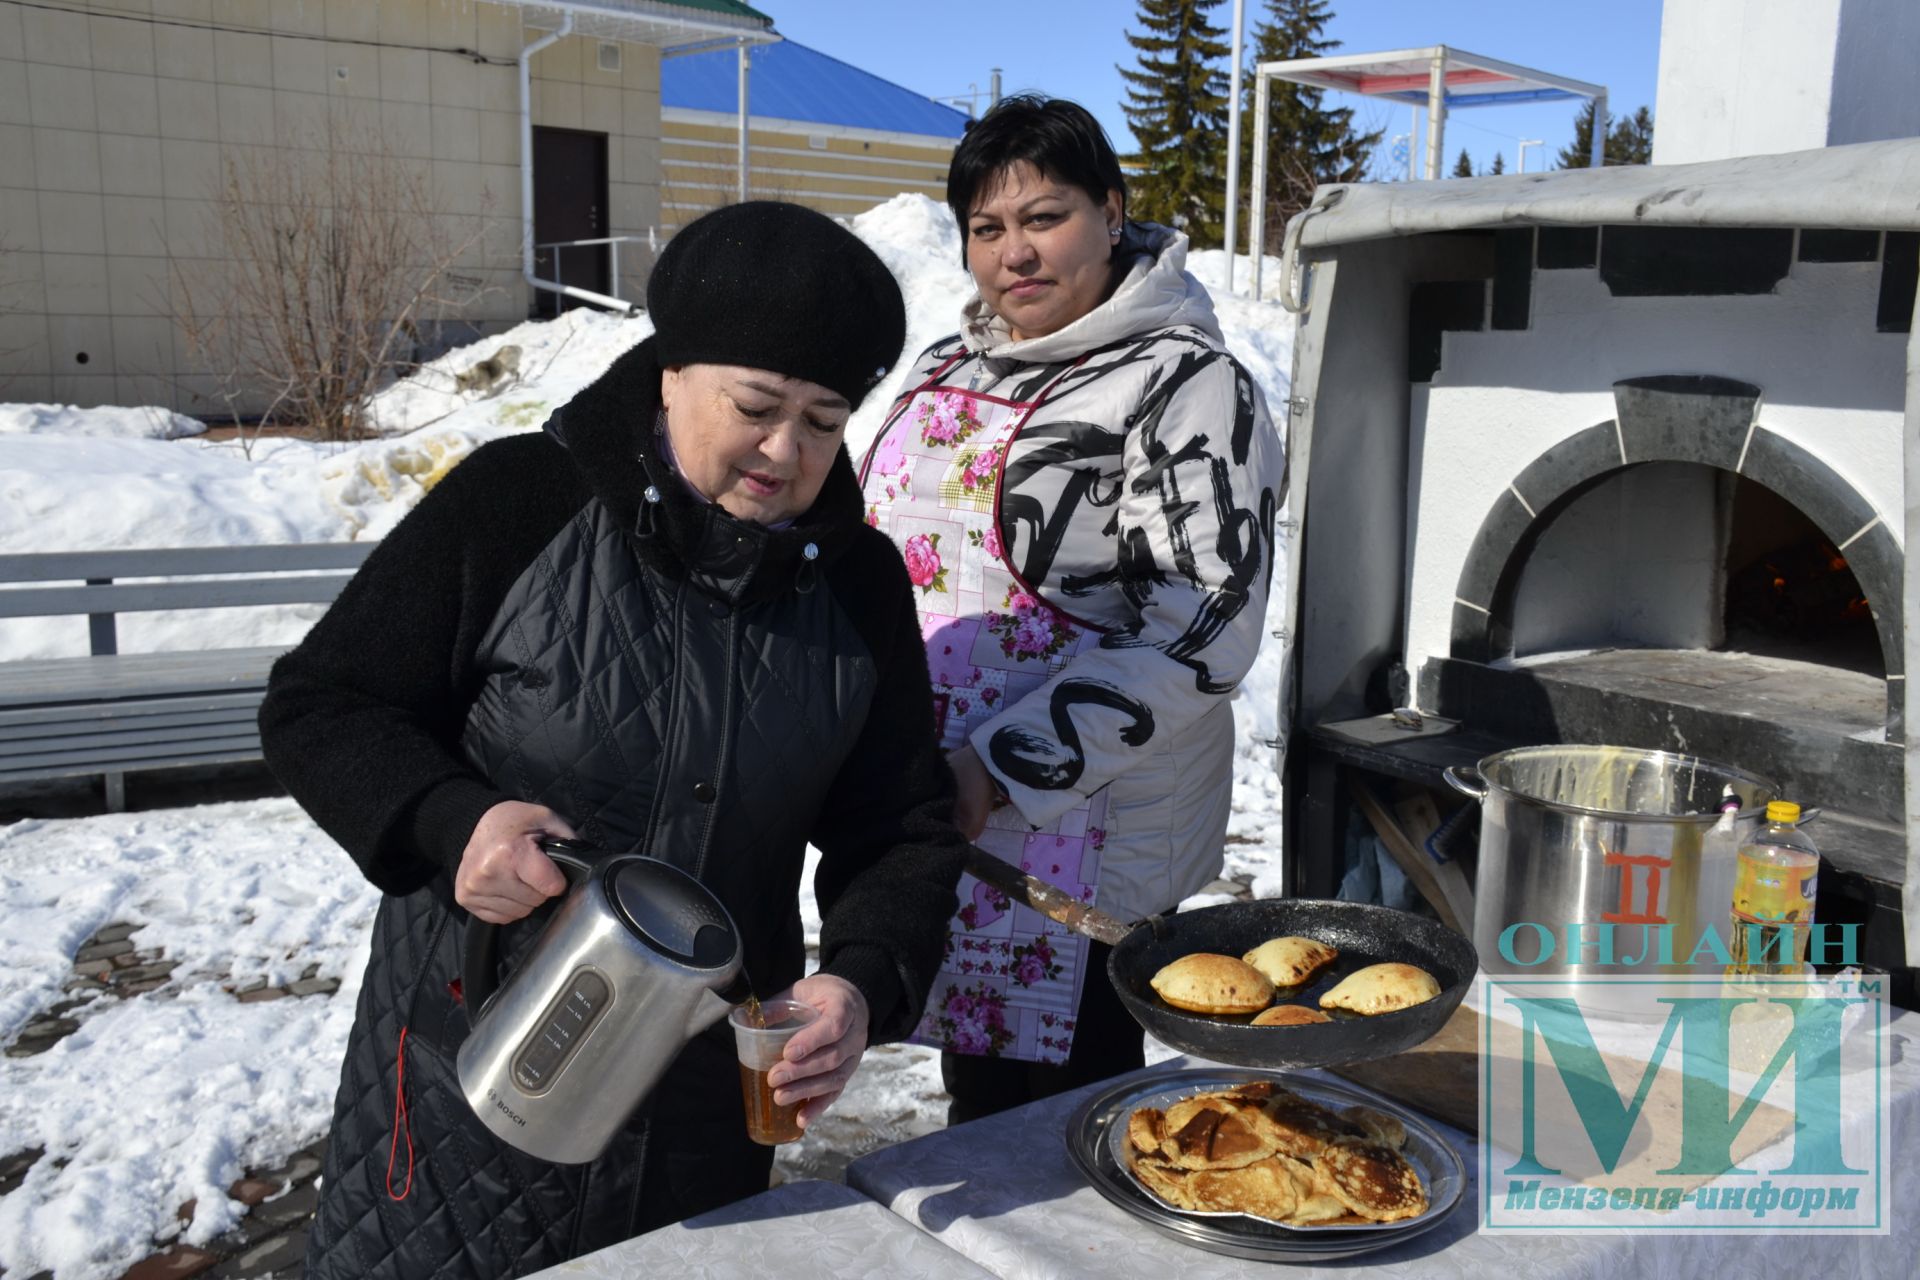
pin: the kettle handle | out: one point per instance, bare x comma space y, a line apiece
480, 971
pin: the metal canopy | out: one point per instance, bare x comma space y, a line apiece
1405, 75
1439, 77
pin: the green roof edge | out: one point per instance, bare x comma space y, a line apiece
732, 8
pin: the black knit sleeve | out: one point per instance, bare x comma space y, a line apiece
361, 721
890, 855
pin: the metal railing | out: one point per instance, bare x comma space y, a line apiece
612, 301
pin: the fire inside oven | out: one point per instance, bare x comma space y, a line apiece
1678, 555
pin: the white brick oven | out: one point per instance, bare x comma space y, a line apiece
1613, 456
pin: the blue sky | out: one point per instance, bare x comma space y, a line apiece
1070, 48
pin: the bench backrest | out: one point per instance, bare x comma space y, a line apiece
282, 573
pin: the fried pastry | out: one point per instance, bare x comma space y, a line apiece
1289, 1015
1219, 1131
1372, 1180
1378, 1125
1270, 1189
1264, 1150
1381, 988
1146, 1129
1291, 962
1306, 1127
1316, 1203
1208, 983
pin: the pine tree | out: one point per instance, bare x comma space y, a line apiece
1499, 163
1632, 139
1463, 167
1629, 141
1308, 143
1177, 108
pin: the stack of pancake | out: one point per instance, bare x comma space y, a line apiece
1264, 1150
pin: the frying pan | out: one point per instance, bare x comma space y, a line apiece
1363, 935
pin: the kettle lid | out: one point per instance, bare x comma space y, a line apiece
672, 912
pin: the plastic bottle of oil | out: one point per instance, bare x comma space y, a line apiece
1773, 893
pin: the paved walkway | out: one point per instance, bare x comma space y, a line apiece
271, 1240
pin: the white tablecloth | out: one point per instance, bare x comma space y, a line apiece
1003, 1193
794, 1232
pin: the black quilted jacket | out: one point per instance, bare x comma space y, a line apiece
561, 622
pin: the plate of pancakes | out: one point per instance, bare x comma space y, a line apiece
1266, 1165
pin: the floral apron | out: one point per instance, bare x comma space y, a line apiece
1009, 984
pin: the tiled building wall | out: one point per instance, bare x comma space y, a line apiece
118, 126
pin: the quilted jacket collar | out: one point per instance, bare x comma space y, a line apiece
608, 430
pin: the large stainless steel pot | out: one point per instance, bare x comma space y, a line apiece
1600, 836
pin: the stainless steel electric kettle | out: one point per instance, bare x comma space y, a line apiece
626, 972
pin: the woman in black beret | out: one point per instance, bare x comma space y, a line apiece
660, 625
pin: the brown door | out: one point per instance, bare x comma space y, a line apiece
569, 203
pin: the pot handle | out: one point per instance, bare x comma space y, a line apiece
1466, 779
480, 971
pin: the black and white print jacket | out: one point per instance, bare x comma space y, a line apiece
1141, 497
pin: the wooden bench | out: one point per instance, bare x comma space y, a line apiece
112, 713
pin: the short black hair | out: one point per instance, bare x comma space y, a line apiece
1059, 138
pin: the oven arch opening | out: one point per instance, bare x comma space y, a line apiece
1703, 536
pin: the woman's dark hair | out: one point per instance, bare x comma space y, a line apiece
1059, 138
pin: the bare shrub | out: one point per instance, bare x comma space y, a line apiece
332, 257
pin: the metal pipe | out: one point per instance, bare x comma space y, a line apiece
743, 119
1524, 144
1598, 143
994, 93
587, 295
1436, 111
526, 142
1233, 139
1257, 216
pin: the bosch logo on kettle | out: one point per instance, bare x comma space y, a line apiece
501, 1103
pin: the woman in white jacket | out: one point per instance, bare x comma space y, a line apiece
1083, 482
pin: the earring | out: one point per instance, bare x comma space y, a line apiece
1113, 233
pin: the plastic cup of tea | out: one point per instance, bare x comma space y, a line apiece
760, 1047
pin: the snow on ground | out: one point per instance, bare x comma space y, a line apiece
144, 422
166, 1097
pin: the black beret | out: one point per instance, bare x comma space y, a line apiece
775, 286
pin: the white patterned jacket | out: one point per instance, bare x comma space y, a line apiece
1140, 496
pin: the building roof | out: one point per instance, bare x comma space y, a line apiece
1865, 185
665, 24
732, 8
789, 81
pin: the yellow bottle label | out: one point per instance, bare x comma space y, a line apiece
1772, 912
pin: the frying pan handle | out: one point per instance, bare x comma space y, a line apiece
480, 969
1466, 779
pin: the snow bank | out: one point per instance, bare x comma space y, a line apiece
142, 422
